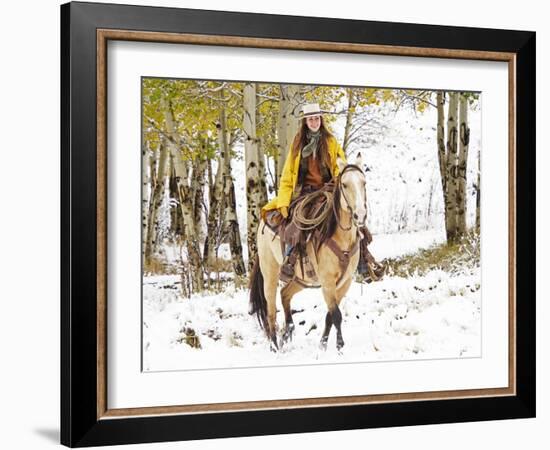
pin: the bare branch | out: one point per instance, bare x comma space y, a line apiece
415, 97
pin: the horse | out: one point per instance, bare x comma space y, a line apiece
337, 250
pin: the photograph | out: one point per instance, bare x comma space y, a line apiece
305, 224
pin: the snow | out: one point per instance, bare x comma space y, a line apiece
434, 316
437, 315
399, 244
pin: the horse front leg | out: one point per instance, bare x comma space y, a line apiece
333, 297
326, 332
337, 320
337, 315
333, 317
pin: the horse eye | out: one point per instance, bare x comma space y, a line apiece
344, 185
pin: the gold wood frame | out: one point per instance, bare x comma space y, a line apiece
103, 36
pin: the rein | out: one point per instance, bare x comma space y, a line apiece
339, 188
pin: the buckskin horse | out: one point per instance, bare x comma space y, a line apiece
337, 248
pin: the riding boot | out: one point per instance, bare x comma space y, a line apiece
376, 270
287, 269
362, 267
367, 236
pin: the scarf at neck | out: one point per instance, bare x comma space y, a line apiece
313, 142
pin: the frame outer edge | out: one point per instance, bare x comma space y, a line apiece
65, 332
79, 262
526, 225
79, 428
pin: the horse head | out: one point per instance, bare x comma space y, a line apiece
351, 187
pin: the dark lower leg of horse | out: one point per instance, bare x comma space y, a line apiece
272, 328
337, 319
289, 328
286, 297
326, 332
273, 344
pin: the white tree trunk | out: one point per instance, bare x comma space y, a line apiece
156, 202
176, 219
288, 123
215, 221
198, 182
452, 169
262, 194
442, 158
231, 226
145, 196
262, 191
255, 177
464, 133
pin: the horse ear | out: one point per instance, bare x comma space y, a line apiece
359, 160
341, 164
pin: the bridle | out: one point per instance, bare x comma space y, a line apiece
347, 168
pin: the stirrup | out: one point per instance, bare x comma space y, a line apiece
372, 272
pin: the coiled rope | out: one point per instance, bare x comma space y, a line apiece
304, 208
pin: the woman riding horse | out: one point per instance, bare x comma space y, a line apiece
333, 255
311, 162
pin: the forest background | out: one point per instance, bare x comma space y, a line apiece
213, 152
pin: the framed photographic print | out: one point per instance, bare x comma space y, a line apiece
279, 224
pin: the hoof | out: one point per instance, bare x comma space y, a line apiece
323, 344
339, 344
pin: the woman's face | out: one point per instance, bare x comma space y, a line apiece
313, 122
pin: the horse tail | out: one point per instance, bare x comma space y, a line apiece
257, 301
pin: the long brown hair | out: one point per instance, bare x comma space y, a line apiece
300, 140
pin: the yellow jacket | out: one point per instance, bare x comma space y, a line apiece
289, 176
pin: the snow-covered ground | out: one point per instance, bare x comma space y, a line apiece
437, 315
385, 246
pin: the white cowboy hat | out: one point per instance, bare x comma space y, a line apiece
311, 109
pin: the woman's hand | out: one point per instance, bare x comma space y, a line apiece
284, 211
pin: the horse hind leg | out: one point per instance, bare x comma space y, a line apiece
270, 270
270, 291
287, 293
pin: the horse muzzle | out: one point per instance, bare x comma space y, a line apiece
360, 218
